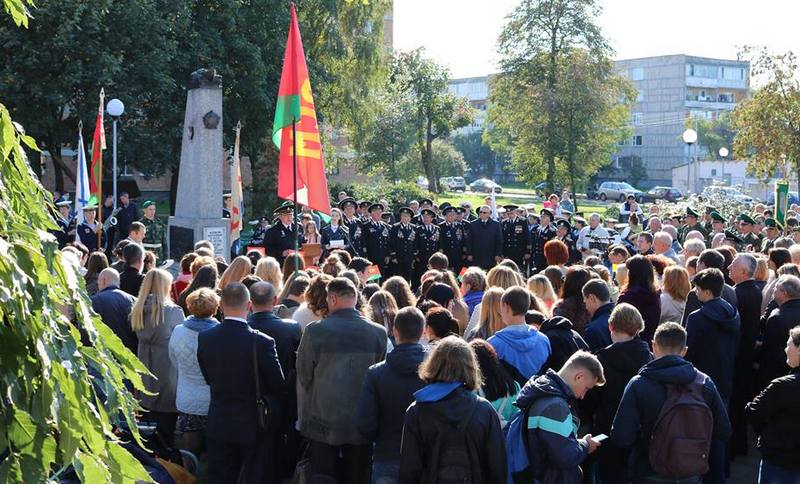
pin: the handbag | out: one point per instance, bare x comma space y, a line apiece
263, 409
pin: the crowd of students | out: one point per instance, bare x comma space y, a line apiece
639, 368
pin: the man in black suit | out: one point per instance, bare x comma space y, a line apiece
748, 296
485, 241
286, 334
228, 355
131, 277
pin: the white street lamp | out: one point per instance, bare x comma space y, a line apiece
723, 153
690, 138
115, 108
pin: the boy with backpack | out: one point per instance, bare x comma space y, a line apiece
541, 439
669, 415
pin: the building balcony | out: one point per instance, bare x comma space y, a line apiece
712, 105
715, 83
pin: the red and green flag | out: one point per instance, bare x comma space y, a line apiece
296, 105
98, 145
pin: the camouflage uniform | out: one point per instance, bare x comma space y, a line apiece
155, 238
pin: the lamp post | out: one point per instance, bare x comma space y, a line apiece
115, 108
690, 138
723, 153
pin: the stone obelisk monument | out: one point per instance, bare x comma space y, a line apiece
198, 205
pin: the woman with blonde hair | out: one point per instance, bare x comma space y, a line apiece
239, 268
153, 317
399, 288
315, 306
539, 285
269, 270
674, 291
448, 401
502, 277
382, 309
489, 319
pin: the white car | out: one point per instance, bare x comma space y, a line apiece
728, 193
422, 182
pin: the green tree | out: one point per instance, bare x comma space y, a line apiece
481, 159
768, 124
632, 169
446, 161
437, 111
537, 37
61, 388
713, 134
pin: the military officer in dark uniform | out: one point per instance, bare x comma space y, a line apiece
403, 245
66, 224
376, 239
279, 239
423, 204
516, 239
227, 205
363, 211
540, 235
335, 235
717, 224
454, 240
564, 234
89, 228
260, 232
774, 229
691, 224
350, 220
428, 242
746, 224
485, 244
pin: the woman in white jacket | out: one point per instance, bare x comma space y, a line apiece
675, 290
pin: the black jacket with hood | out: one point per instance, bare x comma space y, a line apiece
564, 341
441, 406
712, 336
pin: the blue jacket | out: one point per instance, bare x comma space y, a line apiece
642, 401
554, 451
597, 334
523, 347
225, 355
388, 390
114, 306
712, 336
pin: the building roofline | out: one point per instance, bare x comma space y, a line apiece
688, 56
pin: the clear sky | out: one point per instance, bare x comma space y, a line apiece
462, 34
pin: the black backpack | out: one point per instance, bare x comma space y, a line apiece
452, 454
681, 438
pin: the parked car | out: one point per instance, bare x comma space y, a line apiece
726, 192
541, 189
485, 185
793, 198
617, 191
453, 183
422, 182
670, 194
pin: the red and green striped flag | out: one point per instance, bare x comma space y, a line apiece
296, 105
98, 145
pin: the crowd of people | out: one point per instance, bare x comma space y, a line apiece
497, 346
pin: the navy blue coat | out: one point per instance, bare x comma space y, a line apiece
114, 306
712, 335
485, 243
642, 401
388, 390
225, 355
596, 334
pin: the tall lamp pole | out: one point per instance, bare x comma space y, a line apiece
723, 153
115, 109
690, 138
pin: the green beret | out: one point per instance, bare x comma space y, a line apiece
147, 203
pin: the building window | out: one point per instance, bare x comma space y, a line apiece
713, 172
636, 118
727, 97
702, 70
637, 74
733, 73
636, 140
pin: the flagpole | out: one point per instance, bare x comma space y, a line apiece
294, 172
100, 203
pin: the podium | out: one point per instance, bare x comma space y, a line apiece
311, 252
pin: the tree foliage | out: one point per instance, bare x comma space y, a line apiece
480, 158
768, 124
713, 134
60, 393
445, 159
555, 109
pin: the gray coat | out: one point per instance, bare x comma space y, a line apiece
332, 360
154, 354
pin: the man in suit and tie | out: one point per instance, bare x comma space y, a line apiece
228, 355
485, 240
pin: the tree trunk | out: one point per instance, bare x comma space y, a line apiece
35, 160
173, 185
427, 163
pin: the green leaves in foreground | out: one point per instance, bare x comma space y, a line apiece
58, 397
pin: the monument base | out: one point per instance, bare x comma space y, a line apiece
184, 232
